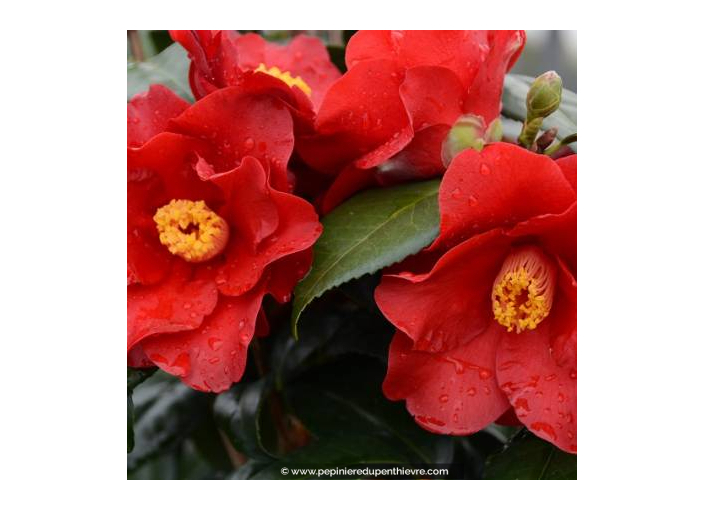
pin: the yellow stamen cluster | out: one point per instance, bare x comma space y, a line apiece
523, 290
285, 77
190, 230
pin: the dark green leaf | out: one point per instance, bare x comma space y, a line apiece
238, 414
169, 68
165, 423
527, 457
514, 106
345, 398
370, 231
134, 377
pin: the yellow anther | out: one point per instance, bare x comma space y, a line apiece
523, 289
190, 230
285, 77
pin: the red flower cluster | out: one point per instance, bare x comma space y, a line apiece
385, 120
211, 224
486, 316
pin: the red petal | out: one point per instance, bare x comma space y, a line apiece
432, 95
460, 51
178, 303
347, 183
557, 233
149, 112
213, 356
148, 261
361, 118
569, 168
537, 370
297, 228
420, 159
213, 58
484, 96
304, 56
499, 186
173, 158
453, 393
238, 125
285, 273
450, 305
249, 207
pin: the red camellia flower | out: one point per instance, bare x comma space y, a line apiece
209, 230
385, 120
219, 58
486, 316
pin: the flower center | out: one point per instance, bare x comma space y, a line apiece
285, 77
523, 289
190, 230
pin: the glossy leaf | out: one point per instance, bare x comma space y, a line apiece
169, 68
238, 414
166, 421
345, 398
527, 457
134, 377
370, 231
514, 106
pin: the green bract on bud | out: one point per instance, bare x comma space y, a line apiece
544, 95
468, 132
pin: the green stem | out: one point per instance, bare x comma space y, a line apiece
562, 143
530, 132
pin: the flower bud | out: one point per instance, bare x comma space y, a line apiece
467, 133
544, 95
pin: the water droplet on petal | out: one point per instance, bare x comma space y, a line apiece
249, 144
444, 398
472, 201
484, 169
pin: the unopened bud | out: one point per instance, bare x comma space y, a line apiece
544, 95
467, 133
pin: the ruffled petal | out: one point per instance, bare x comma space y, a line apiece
450, 393
213, 356
499, 186
556, 233
173, 158
297, 228
484, 96
361, 119
236, 124
432, 95
449, 306
537, 370
178, 303
148, 261
460, 51
149, 112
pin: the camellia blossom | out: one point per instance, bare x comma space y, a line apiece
385, 120
210, 227
219, 58
486, 316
